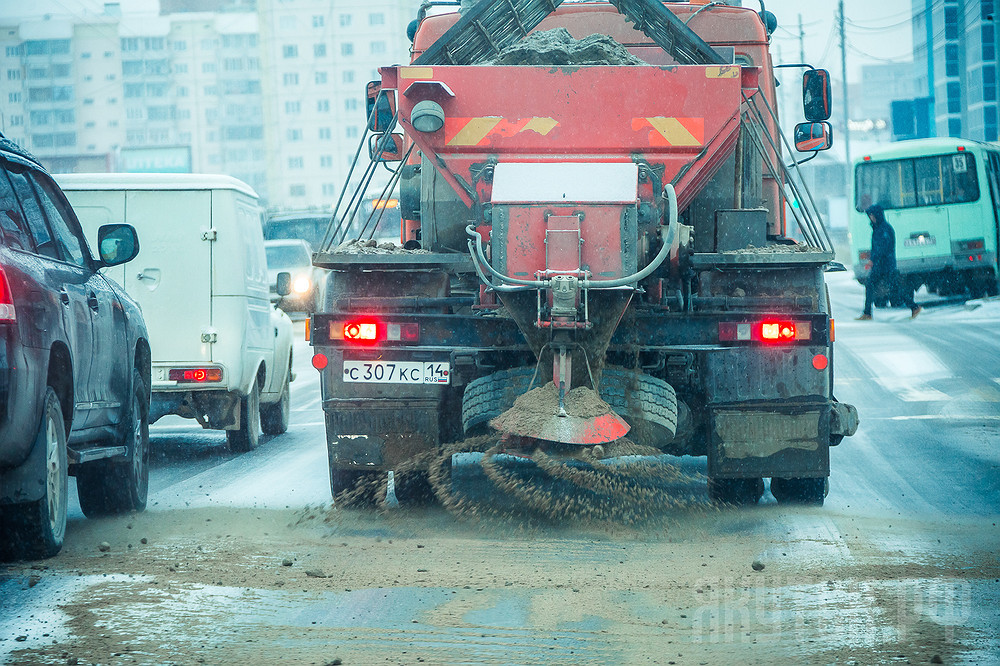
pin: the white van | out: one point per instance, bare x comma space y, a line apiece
221, 352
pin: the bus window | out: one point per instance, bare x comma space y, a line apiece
889, 184
924, 181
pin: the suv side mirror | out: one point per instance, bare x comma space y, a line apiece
379, 107
284, 283
117, 243
816, 94
813, 136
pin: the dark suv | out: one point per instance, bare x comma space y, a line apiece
74, 366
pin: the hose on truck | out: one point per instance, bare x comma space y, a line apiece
512, 284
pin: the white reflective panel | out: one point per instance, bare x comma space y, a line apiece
571, 182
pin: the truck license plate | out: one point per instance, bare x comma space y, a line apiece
397, 372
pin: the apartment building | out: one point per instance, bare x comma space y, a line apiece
318, 57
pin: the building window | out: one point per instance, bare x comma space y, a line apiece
324, 133
14, 97
16, 120
347, 76
345, 20
85, 55
376, 19
989, 83
290, 51
319, 50
350, 104
88, 101
180, 68
329, 189
318, 21
955, 127
293, 107
954, 97
294, 135
13, 75
14, 51
951, 59
179, 45
291, 79
153, 43
377, 47
297, 190
134, 90
326, 160
951, 22
320, 77
323, 105
296, 163
208, 67
351, 132
346, 49
129, 44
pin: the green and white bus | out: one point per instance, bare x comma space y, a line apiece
942, 197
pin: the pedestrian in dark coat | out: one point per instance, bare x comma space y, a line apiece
883, 275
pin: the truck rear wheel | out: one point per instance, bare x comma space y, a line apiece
648, 404
736, 491
247, 436
811, 491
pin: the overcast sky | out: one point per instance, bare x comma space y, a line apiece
876, 31
879, 31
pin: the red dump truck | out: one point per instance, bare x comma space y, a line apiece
609, 225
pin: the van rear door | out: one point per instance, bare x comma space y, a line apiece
171, 278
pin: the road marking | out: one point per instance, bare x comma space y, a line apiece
936, 417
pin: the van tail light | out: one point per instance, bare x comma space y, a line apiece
7, 313
370, 331
195, 375
768, 331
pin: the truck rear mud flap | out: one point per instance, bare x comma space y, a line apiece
380, 434
770, 441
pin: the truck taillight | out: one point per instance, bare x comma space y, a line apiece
770, 331
371, 331
195, 375
6, 300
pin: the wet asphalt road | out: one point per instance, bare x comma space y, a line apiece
899, 565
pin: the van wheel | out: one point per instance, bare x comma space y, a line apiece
110, 486
36, 529
275, 416
735, 491
810, 491
247, 437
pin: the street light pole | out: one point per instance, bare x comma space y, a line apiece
847, 118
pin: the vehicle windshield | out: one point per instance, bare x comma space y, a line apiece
287, 256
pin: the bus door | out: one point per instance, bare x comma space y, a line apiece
993, 178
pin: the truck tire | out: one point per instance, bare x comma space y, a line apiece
736, 491
110, 486
274, 417
809, 491
247, 436
648, 404
36, 529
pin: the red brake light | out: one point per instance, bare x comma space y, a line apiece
777, 331
195, 375
6, 300
768, 331
370, 331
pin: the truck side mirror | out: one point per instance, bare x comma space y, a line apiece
813, 136
117, 243
284, 283
380, 107
816, 102
391, 147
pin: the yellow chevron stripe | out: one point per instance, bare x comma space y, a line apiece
474, 131
541, 125
673, 131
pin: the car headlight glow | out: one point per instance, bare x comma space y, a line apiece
301, 285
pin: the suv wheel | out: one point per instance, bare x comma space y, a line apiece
115, 486
274, 417
247, 437
36, 529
